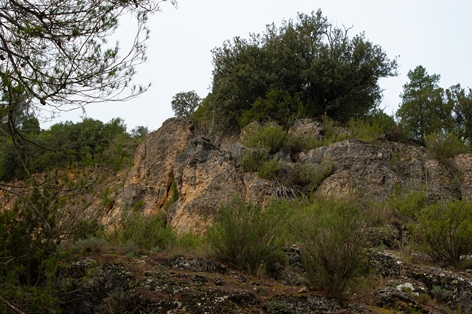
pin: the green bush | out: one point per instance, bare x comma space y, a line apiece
314, 176
147, 232
84, 229
408, 204
331, 238
246, 236
270, 170
252, 159
270, 137
364, 130
29, 234
88, 143
444, 231
92, 244
277, 106
443, 146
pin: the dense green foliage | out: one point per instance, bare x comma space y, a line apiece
443, 146
185, 103
74, 159
270, 137
429, 109
90, 142
331, 236
445, 231
145, 232
305, 68
246, 236
29, 233
423, 110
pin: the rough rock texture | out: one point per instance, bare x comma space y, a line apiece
463, 164
452, 288
358, 167
158, 284
374, 170
205, 177
208, 175
303, 127
148, 285
149, 180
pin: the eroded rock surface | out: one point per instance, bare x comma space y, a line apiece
148, 182
206, 177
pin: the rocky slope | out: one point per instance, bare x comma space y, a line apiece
207, 175
112, 283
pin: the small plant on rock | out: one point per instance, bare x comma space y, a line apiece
270, 137
443, 146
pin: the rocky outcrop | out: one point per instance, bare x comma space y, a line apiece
148, 183
206, 178
452, 288
358, 168
375, 170
207, 175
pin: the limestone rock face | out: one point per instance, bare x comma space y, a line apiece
375, 170
358, 168
148, 182
206, 177
302, 127
463, 164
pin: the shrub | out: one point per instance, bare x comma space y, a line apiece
29, 233
443, 146
270, 137
252, 159
84, 229
314, 176
92, 244
277, 105
270, 169
331, 240
444, 231
441, 294
246, 236
147, 232
364, 131
408, 204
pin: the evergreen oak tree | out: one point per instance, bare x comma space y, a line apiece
306, 67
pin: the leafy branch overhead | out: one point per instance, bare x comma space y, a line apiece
55, 52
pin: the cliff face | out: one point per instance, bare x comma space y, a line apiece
148, 183
207, 176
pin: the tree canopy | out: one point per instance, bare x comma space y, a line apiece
427, 108
423, 110
185, 103
307, 67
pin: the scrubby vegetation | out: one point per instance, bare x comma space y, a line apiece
247, 237
304, 69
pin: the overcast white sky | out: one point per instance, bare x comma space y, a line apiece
432, 33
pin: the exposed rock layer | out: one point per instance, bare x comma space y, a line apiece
207, 176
